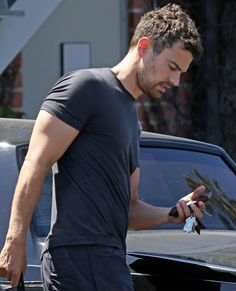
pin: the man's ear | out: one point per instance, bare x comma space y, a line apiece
144, 44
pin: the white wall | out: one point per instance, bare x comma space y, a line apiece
102, 23
15, 31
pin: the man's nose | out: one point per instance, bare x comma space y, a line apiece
175, 79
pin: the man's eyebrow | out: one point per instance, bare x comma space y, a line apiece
177, 66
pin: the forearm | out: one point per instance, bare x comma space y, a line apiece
25, 198
143, 215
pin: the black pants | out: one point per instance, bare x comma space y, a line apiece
85, 268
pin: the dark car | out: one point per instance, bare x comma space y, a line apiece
166, 258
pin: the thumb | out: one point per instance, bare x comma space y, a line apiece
199, 191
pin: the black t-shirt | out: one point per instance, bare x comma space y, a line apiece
92, 181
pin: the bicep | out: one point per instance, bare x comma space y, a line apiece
134, 184
50, 139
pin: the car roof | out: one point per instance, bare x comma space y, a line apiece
149, 139
18, 131
15, 131
149, 136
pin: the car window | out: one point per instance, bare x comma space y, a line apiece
169, 174
42, 215
166, 176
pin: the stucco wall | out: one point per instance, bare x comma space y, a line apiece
102, 23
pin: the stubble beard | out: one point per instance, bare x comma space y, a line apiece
146, 87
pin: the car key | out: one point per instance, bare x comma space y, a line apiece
205, 197
190, 224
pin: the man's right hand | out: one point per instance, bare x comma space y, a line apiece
12, 262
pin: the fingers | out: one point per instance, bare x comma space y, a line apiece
12, 276
196, 210
12, 268
185, 211
15, 278
199, 191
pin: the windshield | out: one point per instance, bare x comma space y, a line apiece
169, 174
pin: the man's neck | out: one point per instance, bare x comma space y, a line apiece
126, 72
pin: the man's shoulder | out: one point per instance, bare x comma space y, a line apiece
93, 73
81, 77
83, 81
90, 75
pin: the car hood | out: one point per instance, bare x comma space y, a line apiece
216, 248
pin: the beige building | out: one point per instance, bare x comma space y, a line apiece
60, 35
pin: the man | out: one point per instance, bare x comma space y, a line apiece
88, 125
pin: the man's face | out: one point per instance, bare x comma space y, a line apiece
159, 72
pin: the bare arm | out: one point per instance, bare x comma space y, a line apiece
50, 139
143, 215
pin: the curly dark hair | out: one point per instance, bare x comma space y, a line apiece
166, 26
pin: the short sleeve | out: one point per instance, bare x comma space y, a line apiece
134, 150
71, 99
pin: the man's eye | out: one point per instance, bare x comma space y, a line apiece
173, 68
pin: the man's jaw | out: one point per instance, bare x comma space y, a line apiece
162, 87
